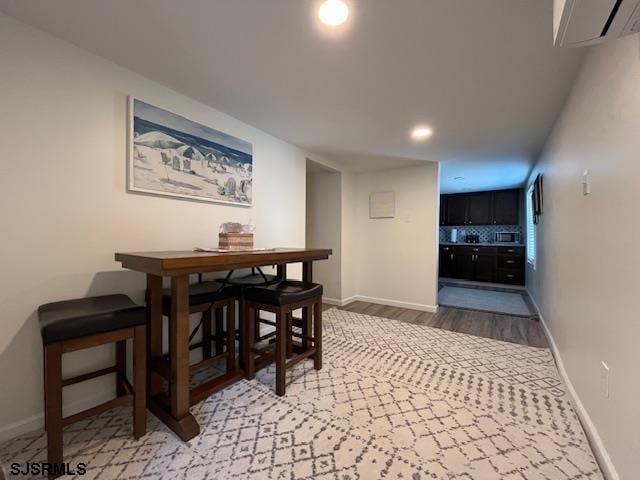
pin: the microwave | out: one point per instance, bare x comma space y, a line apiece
507, 237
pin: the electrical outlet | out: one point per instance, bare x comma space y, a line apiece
605, 374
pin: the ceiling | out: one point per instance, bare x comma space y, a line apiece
482, 73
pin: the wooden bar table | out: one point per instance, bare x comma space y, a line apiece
173, 409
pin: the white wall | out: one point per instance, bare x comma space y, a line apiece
323, 228
396, 258
390, 261
586, 282
64, 207
349, 247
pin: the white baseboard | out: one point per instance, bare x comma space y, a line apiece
599, 450
380, 301
36, 422
333, 301
339, 302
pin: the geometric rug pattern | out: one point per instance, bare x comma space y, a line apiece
393, 400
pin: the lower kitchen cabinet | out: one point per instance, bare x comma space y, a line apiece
446, 261
483, 263
485, 268
464, 265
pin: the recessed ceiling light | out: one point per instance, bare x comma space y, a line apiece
333, 12
421, 133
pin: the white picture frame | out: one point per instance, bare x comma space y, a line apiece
382, 205
171, 155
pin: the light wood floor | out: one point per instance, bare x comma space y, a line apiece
490, 325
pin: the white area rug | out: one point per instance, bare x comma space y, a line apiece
394, 400
484, 300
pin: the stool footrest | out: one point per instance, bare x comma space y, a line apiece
265, 336
263, 351
122, 401
300, 357
89, 376
304, 337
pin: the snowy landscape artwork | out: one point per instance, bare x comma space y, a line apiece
172, 155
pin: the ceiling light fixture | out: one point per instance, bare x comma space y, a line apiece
333, 12
421, 133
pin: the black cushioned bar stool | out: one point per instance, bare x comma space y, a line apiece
73, 325
282, 299
209, 298
254, 279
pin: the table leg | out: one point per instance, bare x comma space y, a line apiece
154, 333
179, 341
177, 417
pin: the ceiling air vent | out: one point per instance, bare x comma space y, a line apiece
578, 23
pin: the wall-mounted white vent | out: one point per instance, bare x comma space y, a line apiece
578, 23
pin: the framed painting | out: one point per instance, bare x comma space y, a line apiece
173, 156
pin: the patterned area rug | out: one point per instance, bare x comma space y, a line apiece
394, 400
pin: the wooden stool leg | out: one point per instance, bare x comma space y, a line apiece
121, 366
231, 336
242, 354
256, 322
206, 335
281, 352
249, 334
44, 363
219, 329
317, 334
306, 327
289, 331
139, 381
53, 395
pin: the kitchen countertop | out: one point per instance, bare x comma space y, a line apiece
486, 244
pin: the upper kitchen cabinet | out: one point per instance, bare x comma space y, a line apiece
499, 207
456, 212
505, 207
443, 209
479, 208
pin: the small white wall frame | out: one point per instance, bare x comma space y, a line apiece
382, 205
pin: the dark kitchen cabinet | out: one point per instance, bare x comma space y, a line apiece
464, 266
456, 209
479, 208
506, 207
483, 263
446, 262
499, 207
443, 209
485, 270
511, 265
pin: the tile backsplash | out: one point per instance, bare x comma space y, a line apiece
487, 233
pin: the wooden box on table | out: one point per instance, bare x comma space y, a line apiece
235, 241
